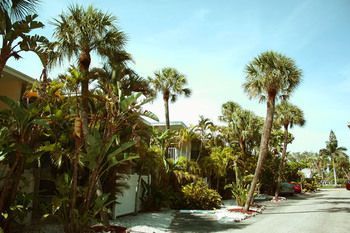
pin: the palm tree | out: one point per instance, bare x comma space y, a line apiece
227, 109
184, 137
287, 115
242, 130
270, 75
79, 32
15, 27
334, 151
15, 10
202, 128
170, 83
220, 158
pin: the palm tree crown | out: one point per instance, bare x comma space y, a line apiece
271, 74
81, 31
171, 84
289, 115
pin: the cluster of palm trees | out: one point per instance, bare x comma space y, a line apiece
92, 133
87, 133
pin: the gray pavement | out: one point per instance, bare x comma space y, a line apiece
327, 211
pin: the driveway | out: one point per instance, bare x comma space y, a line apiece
327, 211
323, 212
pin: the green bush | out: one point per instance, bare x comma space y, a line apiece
310, 184
239, 193
197, 195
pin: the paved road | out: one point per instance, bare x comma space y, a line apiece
327, 211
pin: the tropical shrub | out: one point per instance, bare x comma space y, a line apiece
310, 184
153, 198
239, 193
197, 195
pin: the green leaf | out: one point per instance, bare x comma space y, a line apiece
121, 148
5, 215
150, 115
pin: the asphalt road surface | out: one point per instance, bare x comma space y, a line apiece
327, 211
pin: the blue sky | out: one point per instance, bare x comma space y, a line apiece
212, 41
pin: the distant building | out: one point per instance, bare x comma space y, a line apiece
175, 150
307, 172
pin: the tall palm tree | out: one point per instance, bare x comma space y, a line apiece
268, 76
334, 151
78, 33
170, 83
287, 115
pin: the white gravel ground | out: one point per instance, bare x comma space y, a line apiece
158, 222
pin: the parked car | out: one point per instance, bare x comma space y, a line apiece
287, 188
348, 184
296, 187
290, 188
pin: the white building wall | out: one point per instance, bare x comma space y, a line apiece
126, 202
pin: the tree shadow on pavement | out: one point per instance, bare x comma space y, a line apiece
185, 222
325, 210
336, 198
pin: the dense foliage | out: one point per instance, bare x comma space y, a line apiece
197, 195
80, 133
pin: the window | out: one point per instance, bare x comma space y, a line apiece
172, 153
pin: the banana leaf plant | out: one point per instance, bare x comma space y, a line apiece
99, 158
24, 127
17, 37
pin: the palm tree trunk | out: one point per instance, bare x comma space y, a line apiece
264, 143
166, 108
137, 191
281, 167
200, 151
84, 64
4, 56
238, 182
334, 172
167, 121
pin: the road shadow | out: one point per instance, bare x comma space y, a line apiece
336, 198
186, 222
325, 210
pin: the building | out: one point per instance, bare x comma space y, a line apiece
175, 150
13, 84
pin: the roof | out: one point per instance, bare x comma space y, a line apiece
172, 123
17, 74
